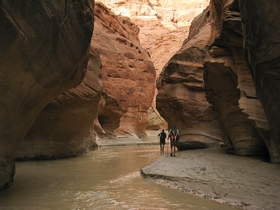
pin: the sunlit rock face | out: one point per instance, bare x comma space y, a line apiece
170, 13
44, 51
163, 25
211, 65
128, 75
262, 31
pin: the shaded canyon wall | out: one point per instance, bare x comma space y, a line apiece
38, 60
206, 89
68, 125
65, 127
262, 31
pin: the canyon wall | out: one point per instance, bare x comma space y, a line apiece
128, 75
170, 13
262, 31
68, 125
163, 23
211, 65
163, 27
65, 127
38, 60
181, 98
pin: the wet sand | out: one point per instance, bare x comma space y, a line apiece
244, 182
127, 141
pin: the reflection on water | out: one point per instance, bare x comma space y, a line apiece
107, 178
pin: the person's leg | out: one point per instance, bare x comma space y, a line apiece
171, 147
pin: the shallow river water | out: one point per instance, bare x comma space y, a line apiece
107, 178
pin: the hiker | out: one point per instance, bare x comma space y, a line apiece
162, 137
171, 140
174, 138
177, 137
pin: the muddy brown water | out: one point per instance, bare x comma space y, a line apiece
107, 178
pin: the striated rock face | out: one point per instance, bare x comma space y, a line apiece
163, 27
128, 75
211, 65
262, 31
163, 24
38, 60
228, 83
181, 99
65, 127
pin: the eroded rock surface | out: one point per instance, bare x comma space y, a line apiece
65, 127
211, 64
43, 52
181, 99
128, 75
262, 31
163, 25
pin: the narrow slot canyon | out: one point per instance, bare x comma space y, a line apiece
87, 87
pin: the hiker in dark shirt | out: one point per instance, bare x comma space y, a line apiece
173, 136
162, 137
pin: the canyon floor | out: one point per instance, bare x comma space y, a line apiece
150, 139
246, 183
125, 141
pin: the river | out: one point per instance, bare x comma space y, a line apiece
107, 178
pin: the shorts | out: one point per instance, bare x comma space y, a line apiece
174, 143
162, 141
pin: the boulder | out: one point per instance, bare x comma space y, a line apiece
44, 51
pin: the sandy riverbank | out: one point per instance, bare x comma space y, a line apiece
128, 141
243, 182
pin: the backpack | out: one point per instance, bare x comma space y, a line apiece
177, 134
